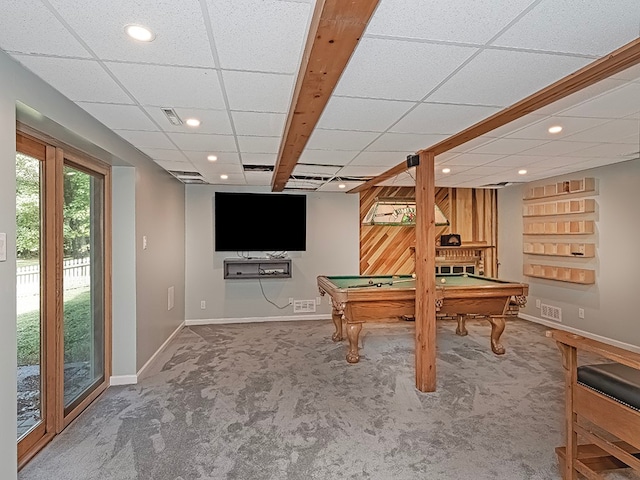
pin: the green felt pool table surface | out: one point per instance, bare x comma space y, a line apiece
407, 281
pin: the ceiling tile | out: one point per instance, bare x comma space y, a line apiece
165, 155
259, 123
631, 74
217, 169
616, 131
404, 142
175, 166
146, 139
485, 170
360, 171
223, 157
362, 114
385, 159
258, 92
78, 80
534, 162
570, 125
204, 142
233, 179
402, 180
181, 38
472, 159
560, 106
557, 148
503, 77
508, 146
259, 158
399, 70
340, 139
170, 86
456, 21
123, 117
613, 104
212, 121
20, 16
320, 170
609, 150
259, 144
442, 118
327, 157
258, 178
472, 144
266, 36
335, 186
573, 26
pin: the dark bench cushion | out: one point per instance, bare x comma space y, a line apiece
614, 380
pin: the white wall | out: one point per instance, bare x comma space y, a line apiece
158, 210
610, 305
332, 249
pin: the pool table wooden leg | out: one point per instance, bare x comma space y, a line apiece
337, 322
353, 333
462, 328
497, 327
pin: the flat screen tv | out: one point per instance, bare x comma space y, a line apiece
268, 222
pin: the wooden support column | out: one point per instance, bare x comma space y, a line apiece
425, 274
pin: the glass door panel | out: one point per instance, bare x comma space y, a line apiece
28, 290
83, 285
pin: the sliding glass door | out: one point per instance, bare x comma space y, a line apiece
63, 296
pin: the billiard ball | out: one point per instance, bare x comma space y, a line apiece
443, 280
413, 275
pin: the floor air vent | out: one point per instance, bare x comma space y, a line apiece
551, 312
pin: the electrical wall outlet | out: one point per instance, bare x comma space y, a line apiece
537, 303
290, 300
581, 313
144, 242
203, 305
318, 300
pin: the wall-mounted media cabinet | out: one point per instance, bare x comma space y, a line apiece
246, 268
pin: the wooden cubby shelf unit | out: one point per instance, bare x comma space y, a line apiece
246, 268
582, 250
561, 207
562, 274
574, 227
582, 185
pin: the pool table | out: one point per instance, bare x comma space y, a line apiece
380, 298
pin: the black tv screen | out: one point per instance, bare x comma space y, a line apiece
260, 222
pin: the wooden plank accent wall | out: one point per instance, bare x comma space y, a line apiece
385, 250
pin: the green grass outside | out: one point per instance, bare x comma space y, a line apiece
78, 335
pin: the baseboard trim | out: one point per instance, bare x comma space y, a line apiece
144, 368
288, 318
577, 331
115, 380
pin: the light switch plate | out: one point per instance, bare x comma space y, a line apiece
3, 247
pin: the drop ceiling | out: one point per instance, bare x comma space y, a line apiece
423, 71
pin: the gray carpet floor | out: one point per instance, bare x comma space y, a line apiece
278, 401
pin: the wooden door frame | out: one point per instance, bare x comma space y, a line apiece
54, 155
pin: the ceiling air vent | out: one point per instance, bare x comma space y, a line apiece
188, 177
499, 184
258, 168
171, 115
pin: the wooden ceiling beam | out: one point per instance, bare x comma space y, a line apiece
617, 61
336, 28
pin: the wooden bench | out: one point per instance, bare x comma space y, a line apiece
602, 407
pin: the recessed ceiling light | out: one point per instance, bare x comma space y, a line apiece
193, 122
522, 172
342, 185
224, 177
555, 129
212, 158
446, 170
140, 33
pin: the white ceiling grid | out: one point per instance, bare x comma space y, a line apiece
422, 72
